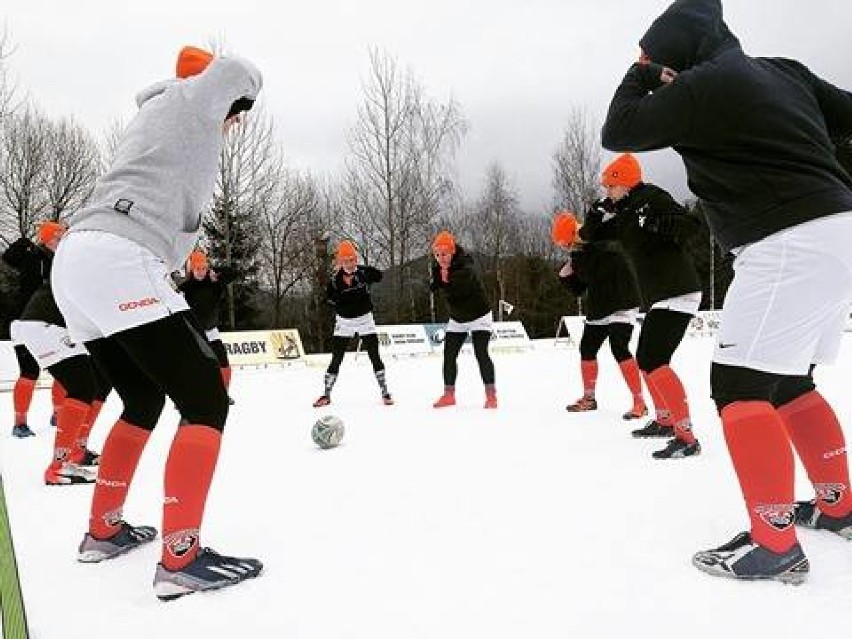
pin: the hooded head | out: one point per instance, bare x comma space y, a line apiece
687, 33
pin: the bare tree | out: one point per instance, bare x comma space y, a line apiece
72, 166
23, 157
109, 142
398, 171
7, 86
577, 164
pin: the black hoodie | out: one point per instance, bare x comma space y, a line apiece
464, 292
758, 136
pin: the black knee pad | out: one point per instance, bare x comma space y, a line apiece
729, 384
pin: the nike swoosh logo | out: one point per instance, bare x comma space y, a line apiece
721, 345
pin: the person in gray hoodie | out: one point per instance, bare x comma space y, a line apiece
111, 282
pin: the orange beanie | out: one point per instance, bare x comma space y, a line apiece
445, 240
49, 231
565, 229
346, 249
197, 259
622, 171
192, 61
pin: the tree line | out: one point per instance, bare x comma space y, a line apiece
278, 226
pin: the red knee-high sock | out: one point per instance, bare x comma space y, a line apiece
22, 397
189, 471
668, 385
630, 372
589, 373
763, 461
69, 419
815, 432
661, 411
226, 375
86, 428
57, 395
120, 456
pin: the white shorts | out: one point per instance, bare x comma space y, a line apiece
619, 317
212, 335
687, 303
48, 343
788, 303
351, 326
104, 284
484, 323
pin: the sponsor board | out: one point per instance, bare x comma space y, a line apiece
504, 335
404, 339
257, 348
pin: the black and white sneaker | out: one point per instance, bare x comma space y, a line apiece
678, 449
126, 539
808, 515
741, 558
208, 571
654, 429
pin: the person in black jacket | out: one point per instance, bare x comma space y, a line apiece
453, 272
204, 289
349, 293
600, 271
650, 226
32, 262
760, 140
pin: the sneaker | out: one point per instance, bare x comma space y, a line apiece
208, 571
678, 449
808, 515
84, 457
741, 558
22, 430
583, 404
126, 539
447, 399
67, 473
637, 412
387, 400
322, 400
491, 401
654, 429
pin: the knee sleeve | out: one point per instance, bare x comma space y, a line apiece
731, 384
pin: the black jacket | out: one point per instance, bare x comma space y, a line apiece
757, 135
464, 292
601, 271
352, 299
650, 225
33, 263
205, 296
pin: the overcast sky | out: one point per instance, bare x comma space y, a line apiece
515, 66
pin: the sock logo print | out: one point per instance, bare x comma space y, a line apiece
779, 516
830, 493
181, 542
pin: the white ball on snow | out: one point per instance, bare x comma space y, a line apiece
328, 431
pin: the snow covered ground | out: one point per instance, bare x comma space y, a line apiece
460, 523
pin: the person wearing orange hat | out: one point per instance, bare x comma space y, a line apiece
651, 228
33, 262
453, 272
348, 293
204, 288
112, 283
600, 271
759, 138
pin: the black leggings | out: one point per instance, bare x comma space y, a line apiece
338, 350
661, 334
452, 345
221, 353
81, 379
26, 363
168, 357
594, 335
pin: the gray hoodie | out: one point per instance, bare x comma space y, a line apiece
164, 172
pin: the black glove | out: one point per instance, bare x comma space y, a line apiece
649, 75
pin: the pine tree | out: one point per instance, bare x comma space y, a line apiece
232, 239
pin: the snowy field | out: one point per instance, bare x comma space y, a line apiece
525, 522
